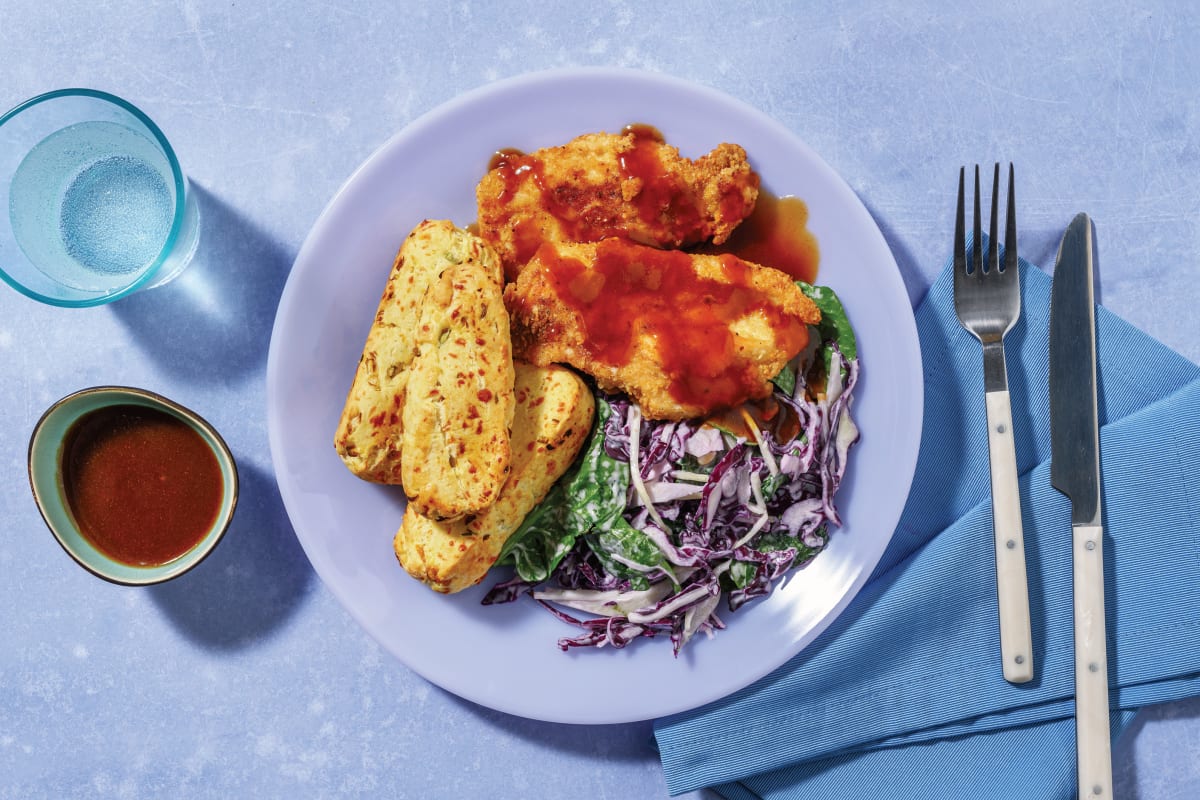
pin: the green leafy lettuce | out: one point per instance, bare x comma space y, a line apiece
834, 327
586, 501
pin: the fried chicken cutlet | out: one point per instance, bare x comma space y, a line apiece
630, 185
683, 334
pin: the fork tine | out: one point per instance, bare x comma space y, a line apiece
960, 243
977, 244
987, 302
993, 262
1010, 232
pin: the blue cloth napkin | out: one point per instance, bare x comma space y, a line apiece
903, 695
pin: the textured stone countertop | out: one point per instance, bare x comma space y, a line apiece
246, 678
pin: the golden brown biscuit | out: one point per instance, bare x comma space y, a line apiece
370, 430
459, 402
552, 421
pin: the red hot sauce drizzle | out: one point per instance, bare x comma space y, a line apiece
775, 235
633, 292
657, 290
143, 486
515, 168
663, 203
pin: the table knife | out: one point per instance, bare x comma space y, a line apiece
1075, 471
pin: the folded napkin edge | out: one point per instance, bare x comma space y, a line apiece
769, 724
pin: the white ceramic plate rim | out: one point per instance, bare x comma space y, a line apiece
505, 657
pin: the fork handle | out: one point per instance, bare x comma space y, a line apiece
1016, 641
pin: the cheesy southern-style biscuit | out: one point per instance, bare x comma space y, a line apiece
459, 402
553, 418
370, 432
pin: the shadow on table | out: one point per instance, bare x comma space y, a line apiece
628, 742
1125, 773
252, 582
213, 322
910, 270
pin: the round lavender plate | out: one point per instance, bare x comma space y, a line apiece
505, 657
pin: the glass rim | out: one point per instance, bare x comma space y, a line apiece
180, 195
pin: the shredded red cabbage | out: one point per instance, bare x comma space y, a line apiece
727, 517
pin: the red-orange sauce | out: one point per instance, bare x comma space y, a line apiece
660, 192
515, 168
665, 209
641, 130
662, 196
513, 165
775, 235
636, 291
143, 486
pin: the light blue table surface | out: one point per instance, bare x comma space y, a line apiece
246, 678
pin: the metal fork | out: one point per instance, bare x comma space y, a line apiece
987, 299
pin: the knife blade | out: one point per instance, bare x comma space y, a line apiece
1075, 471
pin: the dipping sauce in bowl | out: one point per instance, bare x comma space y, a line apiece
136, 488
143, 486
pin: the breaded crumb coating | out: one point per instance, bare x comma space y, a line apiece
630, 185
683, 334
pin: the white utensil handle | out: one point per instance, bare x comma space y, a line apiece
1092, 738
1012, 588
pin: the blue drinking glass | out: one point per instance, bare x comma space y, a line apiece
93, 203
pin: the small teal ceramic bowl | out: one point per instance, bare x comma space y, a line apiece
83, 415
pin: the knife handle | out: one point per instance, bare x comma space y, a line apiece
1012, 588
1092, 738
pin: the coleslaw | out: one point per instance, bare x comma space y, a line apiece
657, 521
